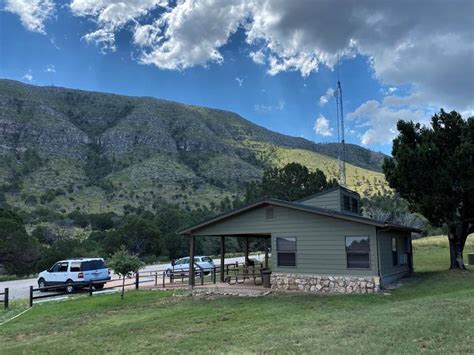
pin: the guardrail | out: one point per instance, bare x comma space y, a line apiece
5, 299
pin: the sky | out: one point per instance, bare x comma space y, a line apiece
274, 62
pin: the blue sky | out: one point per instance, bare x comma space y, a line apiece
271, 64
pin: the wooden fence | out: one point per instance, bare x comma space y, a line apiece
5, 299
158, 278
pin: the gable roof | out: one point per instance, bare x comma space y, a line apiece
299, 207
326, 191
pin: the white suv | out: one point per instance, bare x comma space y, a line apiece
75, 273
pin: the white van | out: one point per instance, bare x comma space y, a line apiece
75, 273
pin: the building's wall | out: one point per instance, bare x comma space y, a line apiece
388, 271
330, 200
320, 244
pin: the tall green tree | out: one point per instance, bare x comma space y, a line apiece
18, 250
292, 182
433, 169
139, 235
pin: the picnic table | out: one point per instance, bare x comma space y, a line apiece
242, 274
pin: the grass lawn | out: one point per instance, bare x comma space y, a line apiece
432, 311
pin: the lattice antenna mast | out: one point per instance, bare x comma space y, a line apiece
341, 157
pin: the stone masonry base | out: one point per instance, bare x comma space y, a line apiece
325, 284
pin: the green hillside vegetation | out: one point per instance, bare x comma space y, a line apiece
432, 311
70, 150
365, 182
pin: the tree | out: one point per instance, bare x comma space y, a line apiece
139, 235
433, 169
391, 208
124, 264
292, 182
18, 250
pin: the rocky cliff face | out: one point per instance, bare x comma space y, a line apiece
95, 140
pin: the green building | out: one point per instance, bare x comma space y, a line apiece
320, 243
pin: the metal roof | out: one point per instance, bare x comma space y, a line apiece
300, 207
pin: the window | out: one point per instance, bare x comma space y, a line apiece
269, 212
286, 251
62, 267
55, 267
407, 244
75, 267
358, 252
354, 205
394, 252
347, 203
93, 265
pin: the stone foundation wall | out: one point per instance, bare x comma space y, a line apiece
325, 284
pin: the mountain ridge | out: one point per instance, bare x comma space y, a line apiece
75, 149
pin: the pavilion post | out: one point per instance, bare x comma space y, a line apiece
191, 260
246, 250
266, 252
222, 258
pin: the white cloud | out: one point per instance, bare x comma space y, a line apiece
417, 44
240, 81
33, 13
322, 126
28, 76
112, 16
193, 32
258, 57
103, 39
378, 121
269, 108
50, 69
426, 46
323, 100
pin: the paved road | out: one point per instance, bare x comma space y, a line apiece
20, 288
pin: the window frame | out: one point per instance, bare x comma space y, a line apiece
369, 267
295, 252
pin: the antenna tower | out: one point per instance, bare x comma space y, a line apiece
341, 156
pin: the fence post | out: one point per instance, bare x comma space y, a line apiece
202, 277
214, 276
31, 296
164, 278
156, 278
6, 298
90, 288
137, 280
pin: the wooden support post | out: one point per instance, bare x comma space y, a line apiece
214, 274
90, 288
164, 278
31, 296
191, 260
156, 278
137, 280
246, 250
6, 295
222, 258
266, 253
